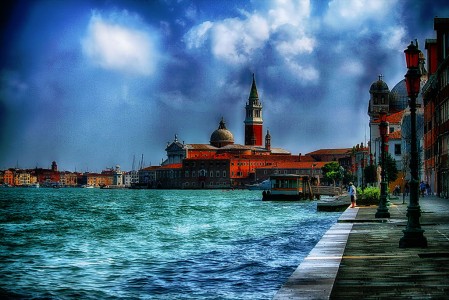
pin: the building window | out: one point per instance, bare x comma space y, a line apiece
193, 174
211, 173
224, 174
397, 149
187, 174
217, 174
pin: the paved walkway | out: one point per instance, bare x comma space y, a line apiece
359, 257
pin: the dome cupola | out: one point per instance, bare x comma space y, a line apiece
379, 86
222, 136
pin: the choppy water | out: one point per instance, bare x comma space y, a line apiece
151, 244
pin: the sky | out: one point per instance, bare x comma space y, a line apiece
93, 84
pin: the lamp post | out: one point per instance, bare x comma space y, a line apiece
382, 210
413, 234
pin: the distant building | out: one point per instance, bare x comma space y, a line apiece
223, 163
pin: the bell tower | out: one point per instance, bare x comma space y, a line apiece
253, 121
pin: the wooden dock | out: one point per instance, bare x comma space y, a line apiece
360, 258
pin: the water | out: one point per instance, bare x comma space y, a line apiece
151, 244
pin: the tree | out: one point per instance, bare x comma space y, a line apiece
331, 172
390, 168
370, 173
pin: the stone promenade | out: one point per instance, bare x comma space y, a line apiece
359, 257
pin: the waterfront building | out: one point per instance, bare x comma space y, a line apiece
223, 163
105, 178
8, 177
147, 177
131, 178
436, 110
168, 176
47, 177
69, 179
21, 178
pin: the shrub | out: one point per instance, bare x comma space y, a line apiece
369, 196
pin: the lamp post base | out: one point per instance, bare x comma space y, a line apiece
382, 213
382, 210
413, 239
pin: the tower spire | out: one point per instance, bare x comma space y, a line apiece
253, 121
253, 95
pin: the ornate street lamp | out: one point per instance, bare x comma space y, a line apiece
382, 210
413, 234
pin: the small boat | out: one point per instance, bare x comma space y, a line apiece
288, 187
264, 185
35, 185
86, 186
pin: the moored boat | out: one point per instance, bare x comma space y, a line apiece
264, 185
288, 187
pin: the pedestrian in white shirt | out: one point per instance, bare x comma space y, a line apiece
353, 194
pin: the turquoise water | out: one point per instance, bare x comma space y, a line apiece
151, 244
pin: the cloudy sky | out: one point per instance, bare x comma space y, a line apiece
90, 84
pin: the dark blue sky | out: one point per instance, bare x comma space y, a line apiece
90, 84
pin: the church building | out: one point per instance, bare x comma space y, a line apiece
223, 163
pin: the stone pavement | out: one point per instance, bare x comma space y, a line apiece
359, 257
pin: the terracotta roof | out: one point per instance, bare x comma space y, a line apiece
296, 165
330, 151
279, 151
396, 135
151, 168
171, 166
395, 118
201, 147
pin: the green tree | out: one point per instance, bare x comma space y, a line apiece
370, 173
348, 177
390, 168
331, 172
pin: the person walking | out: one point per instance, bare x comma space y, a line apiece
422, 187
406, 191
353, 194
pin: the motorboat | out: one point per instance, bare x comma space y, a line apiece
264, 185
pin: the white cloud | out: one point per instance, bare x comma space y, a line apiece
394, 38
354, 13
293, 47
197, 36
287, 12
306, 73
115, 46
237, 40
351, 67
234, 40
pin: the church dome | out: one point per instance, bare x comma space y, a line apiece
222, 136
399, 98
379, 86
